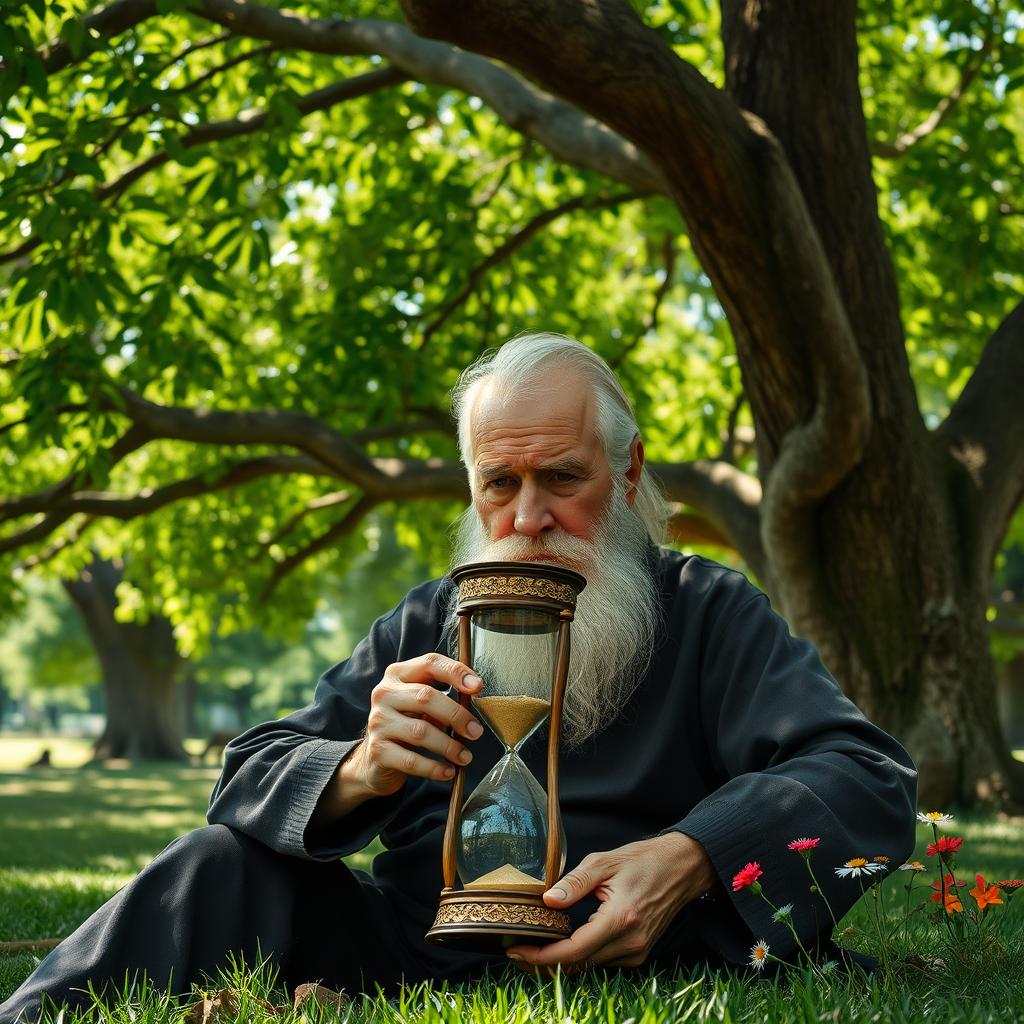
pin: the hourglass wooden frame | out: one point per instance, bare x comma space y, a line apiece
489, 919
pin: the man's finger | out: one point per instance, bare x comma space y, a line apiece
421, 699
395, 757
436, 667
584, 944
421, 733
579, 882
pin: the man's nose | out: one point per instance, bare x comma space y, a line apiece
533, 515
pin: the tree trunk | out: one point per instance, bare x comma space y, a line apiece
923, 671
140, 665
1011, 701
868, 527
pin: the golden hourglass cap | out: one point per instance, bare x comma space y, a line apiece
517, 583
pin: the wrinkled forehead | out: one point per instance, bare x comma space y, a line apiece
557, 410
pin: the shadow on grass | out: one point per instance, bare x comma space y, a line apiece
98, 818
70, 838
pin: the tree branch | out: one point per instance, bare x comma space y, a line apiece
983, 435
945, 106
650, 321
60, 411
729, 453
515, 242
246, 123
725, 496
324, 452
107, 21
71, 536
331, 500
200, 44
131, 116
687, 528
232, 474
57, 504
50, 497
249, 122
386, 479
340, 529
566, 133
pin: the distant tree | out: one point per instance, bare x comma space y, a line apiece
58, 646
248, 250
140, 666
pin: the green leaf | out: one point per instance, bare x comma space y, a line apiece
73, 33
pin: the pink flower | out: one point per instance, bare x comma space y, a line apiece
747, 877
804, 845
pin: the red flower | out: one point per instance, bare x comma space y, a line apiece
1010, 883
803, 845
947, 844
938, 886
747, 876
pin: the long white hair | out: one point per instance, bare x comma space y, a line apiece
618, 613
523, 364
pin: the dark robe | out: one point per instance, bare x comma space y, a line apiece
736, 736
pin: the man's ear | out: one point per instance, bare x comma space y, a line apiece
636, 465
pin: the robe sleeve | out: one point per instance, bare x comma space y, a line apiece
275, 773
800, 760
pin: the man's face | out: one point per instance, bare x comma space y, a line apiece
543, 491
538, 462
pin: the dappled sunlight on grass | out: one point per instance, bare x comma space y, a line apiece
94, 817
21, 784
70, 839
18, 752
37, 904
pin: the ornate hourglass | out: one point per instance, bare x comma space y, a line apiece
506, 842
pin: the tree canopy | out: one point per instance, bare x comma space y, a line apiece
245, 252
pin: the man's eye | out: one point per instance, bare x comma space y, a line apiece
499, 481
565, 478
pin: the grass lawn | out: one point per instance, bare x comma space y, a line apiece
71, 836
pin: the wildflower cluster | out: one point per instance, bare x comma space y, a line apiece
965, 910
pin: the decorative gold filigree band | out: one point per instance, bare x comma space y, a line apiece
502, 914
516, 586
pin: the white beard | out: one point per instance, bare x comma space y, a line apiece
617, 614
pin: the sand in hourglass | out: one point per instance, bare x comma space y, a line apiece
508, 878
512, 718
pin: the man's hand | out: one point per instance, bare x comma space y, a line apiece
641, 887
407, 714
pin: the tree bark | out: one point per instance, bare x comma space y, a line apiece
140, 665
860, 518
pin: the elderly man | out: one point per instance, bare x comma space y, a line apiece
699, 735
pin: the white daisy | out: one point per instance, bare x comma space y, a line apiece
912, 865
759, 955
858, 866
783, 912
934, 818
